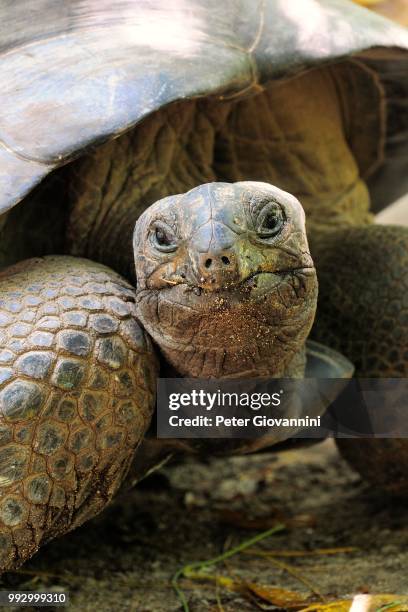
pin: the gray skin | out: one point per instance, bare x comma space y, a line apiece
226, 285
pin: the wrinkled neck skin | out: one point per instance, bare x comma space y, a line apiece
250, 318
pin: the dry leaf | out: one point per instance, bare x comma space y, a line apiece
369, 603
278, 597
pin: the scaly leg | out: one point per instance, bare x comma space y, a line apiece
76, 396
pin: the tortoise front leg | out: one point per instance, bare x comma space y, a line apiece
363, 312
76, 396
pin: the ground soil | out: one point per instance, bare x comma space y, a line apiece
193, 510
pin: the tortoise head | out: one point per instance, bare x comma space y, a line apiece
225, 282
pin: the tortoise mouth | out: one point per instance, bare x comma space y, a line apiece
249, 284
254, 288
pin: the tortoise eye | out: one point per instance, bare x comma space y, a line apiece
163, 237
271, 220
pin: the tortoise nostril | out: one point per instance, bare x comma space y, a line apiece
216, 264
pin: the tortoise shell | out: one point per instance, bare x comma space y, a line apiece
80, 73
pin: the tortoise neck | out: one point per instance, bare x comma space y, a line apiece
231, 364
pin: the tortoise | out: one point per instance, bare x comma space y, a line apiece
110, 107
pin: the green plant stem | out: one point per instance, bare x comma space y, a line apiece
186, 569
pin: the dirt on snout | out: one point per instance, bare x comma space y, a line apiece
339, 537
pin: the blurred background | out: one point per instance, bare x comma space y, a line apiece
397, 10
